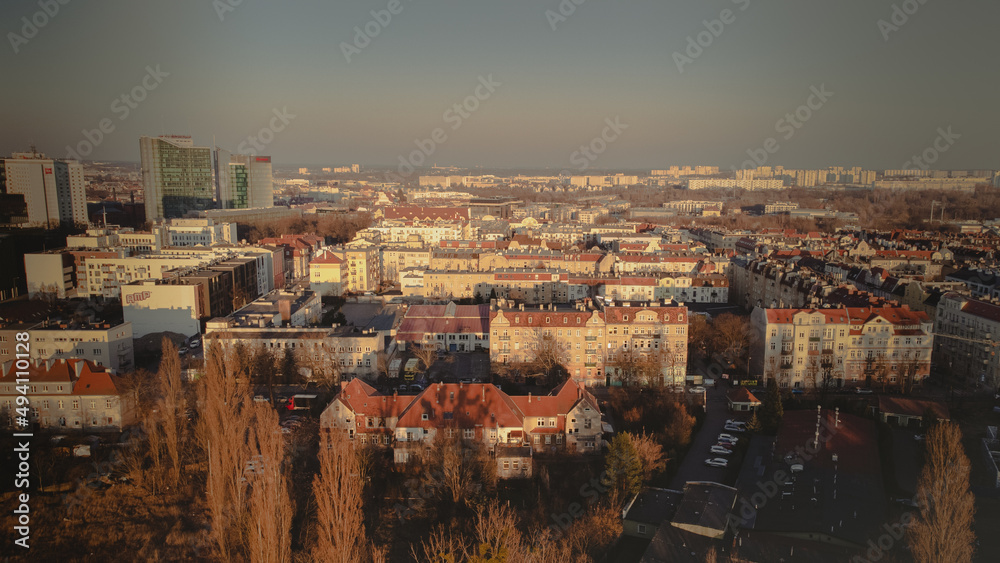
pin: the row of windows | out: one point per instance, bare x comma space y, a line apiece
45, 404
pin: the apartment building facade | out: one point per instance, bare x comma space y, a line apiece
848, 346
67, 395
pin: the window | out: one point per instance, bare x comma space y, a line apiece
641, 528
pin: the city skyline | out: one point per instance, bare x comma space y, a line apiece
688, 84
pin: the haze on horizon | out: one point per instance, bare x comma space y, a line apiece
224, 77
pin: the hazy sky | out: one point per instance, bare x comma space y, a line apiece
609, 58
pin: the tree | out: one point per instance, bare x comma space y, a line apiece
732, 337
267, 528
771, 409
650, 455
549, 354
289, 368
623, 465
261, 369
628, 366
754, 425
942, 531
338, 491
426, 353
497, 538
171, 411
699, 337
225, 416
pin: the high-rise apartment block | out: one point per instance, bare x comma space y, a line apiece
53, 190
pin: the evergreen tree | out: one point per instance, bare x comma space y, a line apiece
623, 465
771, 409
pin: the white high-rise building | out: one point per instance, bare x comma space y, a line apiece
243, 181
53, 190
176, 176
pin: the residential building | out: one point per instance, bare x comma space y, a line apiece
101, 343
451, 327
328, 274
567, 420
813, 348
67, 395
967, 342
53, 190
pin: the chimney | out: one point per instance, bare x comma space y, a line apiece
484, 393
529, 396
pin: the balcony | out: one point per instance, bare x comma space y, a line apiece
787, 352
786, 365
590, 365
590, 338
503, 338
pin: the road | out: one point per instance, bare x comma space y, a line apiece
693, 467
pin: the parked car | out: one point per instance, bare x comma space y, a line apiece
729, 438
862, 391
734, 428
717, 462
726, 445
720, 450
732, 422
918, 437
676, 389
696, 390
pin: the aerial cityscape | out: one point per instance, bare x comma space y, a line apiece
452, 282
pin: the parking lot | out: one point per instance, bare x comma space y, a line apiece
693, 466
457, 366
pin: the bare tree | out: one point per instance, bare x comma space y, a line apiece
496, 536
943, 529
426, 353
628, 366
732, 336
650, 454
223, 422
548, 353
171, 408
267, 528
441, 546
338, 491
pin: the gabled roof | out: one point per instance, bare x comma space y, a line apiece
462, 406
